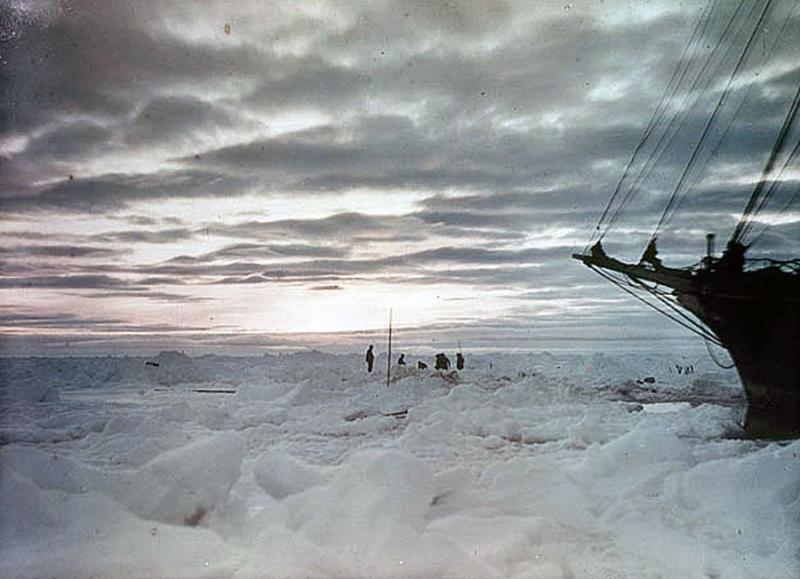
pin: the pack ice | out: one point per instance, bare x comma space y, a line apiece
531, 465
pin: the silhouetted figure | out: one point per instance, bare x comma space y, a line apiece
650, 254
732, 260
422, 366
401, 361
370, 358
459, 361
442, 362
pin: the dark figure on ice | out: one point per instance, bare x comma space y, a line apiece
459, 361
370, 358
442, 362
401, 361
422, 366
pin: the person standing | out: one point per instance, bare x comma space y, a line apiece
459, 361
370, 358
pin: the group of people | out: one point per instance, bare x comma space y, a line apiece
442, 362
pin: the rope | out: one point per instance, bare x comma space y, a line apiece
715, 359
677, 77
673, 198
703, 334
673, 128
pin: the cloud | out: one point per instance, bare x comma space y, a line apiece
63, 281
114, 192
173, 118
263, 251
19, 251
463, 144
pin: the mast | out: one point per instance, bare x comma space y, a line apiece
389, 358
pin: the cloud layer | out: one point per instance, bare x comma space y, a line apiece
250, 165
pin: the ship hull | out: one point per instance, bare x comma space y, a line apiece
756, 316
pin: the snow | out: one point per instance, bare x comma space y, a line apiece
523, 465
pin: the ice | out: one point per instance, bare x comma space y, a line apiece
523, 465
281, 475
182, 486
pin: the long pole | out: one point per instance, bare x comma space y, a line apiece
389, 359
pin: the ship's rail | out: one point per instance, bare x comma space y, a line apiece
751, 264
786, 266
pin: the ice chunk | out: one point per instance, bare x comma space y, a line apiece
281, 475
371, 501
182, 485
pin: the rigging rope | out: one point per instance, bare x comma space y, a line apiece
669, 210
702, 332
674, 82
729, 124
756, 201
673, 128
716, 360
776, 184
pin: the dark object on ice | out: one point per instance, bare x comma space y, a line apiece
195, 518
459, 361
213, 391
398, 414
155, 364
401, 361
369, 358
442, 362
451, 377
749, 307
356, 415
647, 380
422, 366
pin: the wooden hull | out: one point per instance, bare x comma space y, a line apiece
756, 315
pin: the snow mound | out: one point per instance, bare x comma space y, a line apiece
183, 485
281, 475
370, 516
28, 391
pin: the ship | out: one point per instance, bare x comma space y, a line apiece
750, 307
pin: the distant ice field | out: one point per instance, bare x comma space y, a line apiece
529, 465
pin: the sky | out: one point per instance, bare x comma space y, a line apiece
220, 176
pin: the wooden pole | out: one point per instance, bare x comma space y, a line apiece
389, 359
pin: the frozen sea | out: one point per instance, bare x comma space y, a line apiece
535, 465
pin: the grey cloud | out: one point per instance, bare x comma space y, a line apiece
177, 118
340, 224
63, 281
73, 141
114, 192
55, 67
145, 236
56, 251
272, 251
149, 295
52, 320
